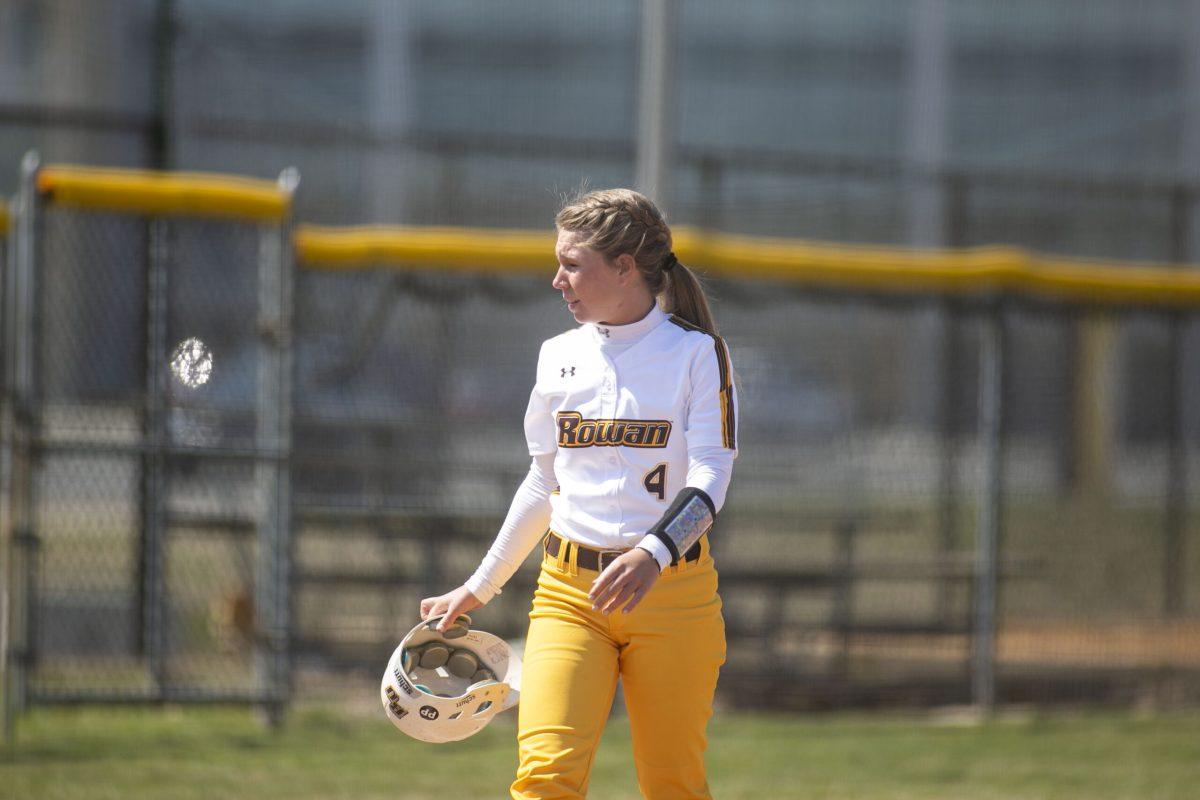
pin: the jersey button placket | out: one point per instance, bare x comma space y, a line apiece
608, 399
608, 393
610, 403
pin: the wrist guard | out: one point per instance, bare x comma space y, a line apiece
689, 517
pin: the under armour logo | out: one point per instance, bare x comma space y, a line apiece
567, 371
604, 331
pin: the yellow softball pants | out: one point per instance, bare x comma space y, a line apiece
666, 652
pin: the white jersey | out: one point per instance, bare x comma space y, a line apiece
621, 424
620, 420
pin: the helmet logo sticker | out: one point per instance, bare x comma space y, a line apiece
408, 689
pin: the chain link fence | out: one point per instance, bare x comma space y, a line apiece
943, 495
1006, 515
148, 497
849, 550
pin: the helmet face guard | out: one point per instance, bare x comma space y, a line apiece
445, 687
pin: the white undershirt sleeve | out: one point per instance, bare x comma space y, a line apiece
526, 522
709, 470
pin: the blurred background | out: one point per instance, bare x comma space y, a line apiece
939, 498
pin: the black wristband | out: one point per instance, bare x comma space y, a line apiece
690, 516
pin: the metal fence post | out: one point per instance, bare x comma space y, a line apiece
152, 578
1175, 518
956, 189
947, 475
272, 445
711, 175
991, 394
162, 93
926, 121
845, 531
655, 106
7, 549
289, 180
16, 485
6, 464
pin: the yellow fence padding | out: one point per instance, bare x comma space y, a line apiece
984, 270
966, 271
3, 217
477, 249
162, 193
975, 271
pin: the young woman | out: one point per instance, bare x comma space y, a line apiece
632, 427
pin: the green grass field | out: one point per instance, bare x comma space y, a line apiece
99, 753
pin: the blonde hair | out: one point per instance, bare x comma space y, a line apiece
618, 221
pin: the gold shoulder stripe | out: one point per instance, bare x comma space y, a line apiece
687, 326
724, 368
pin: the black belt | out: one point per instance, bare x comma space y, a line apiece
598, 560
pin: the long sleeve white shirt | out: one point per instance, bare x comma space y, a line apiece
620, 420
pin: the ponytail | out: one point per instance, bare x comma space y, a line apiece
684, 297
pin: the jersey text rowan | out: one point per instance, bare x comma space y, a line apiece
575, 431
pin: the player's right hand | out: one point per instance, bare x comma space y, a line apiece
448, 606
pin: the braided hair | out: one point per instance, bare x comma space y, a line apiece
618, 221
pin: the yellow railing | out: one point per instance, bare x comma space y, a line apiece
174, 193
480, 249
830, 266
963, 272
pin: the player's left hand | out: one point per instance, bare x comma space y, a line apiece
626, 580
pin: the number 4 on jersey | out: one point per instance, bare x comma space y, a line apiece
656, 481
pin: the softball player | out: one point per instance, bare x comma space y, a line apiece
632, 427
